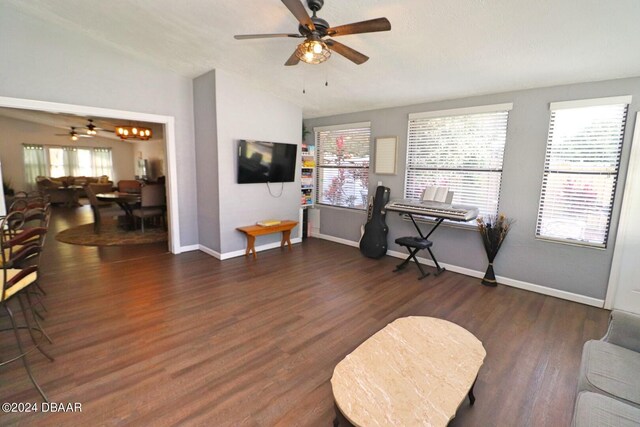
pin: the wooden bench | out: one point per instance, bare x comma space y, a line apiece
251, 231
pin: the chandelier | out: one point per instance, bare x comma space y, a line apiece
134, 132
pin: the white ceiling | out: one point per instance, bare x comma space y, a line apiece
437, 49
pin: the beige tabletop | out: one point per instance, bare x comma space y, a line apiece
414, 372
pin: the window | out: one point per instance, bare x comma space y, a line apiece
65, 161
460, 149
343, 165
34, 164
581, 169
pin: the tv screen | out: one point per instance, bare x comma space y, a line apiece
260, 161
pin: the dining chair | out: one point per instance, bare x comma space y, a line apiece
20, 251
101, 209
129, 186
153, 203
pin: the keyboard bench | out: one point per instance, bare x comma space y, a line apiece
414, 244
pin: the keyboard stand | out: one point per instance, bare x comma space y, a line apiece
414, 244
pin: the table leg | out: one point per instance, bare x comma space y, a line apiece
251, 240
286, 238
472, 398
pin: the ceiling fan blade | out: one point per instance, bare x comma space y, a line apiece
297, 8
293, 60
347, 52
265, 36
84, 136
371, 26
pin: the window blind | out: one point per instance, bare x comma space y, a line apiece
580, 173
343, 165
463, 152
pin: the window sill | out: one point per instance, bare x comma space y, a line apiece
572, 243
341, 208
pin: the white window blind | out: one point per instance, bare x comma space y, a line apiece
580, 172
461, 151
343, 165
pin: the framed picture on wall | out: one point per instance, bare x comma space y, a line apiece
386, 155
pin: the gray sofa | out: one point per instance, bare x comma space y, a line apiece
609, 382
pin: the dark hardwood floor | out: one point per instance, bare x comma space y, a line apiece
143, 337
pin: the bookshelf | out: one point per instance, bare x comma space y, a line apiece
307, 179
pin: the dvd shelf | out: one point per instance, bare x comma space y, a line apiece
307, 179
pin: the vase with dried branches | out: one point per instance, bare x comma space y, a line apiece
493, 231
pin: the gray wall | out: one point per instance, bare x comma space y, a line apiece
17, 132
245, 112
579, 270
206, 134
43, 62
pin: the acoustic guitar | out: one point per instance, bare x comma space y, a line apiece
373, 243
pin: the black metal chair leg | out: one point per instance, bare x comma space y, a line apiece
35, 318
24, 357
40, 289
30, 328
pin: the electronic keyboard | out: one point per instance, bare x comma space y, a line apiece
433, 209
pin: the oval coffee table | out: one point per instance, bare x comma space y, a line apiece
416, 371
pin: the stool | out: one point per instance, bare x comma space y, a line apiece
413, 245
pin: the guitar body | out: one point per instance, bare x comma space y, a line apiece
373, 243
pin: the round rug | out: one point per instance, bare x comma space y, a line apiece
110, 235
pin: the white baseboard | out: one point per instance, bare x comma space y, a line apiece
336, 239
241, 252
189, 248
209, 251
480, 274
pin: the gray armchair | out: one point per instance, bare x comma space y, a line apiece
609, 381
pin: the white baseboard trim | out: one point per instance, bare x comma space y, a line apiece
234, 254
336, 239
189, 248
569, 296
209, 251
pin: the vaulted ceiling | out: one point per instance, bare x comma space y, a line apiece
436, 49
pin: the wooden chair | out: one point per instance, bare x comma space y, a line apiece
101, 209
129, 186
152, 203
19, 250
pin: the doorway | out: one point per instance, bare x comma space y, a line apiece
168, 122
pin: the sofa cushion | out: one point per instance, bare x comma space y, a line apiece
597, 410
612, 370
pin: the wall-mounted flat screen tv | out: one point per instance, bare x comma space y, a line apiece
260, 161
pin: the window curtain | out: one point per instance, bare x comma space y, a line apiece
71, 164
102, 162
34, 165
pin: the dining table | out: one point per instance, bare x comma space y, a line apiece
126, 201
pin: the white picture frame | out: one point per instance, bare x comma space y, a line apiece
386, 155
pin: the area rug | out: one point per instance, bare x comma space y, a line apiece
110, 235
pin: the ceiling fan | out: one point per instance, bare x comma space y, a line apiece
73, 134
92, 129
317, 47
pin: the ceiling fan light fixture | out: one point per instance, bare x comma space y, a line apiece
313, 51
